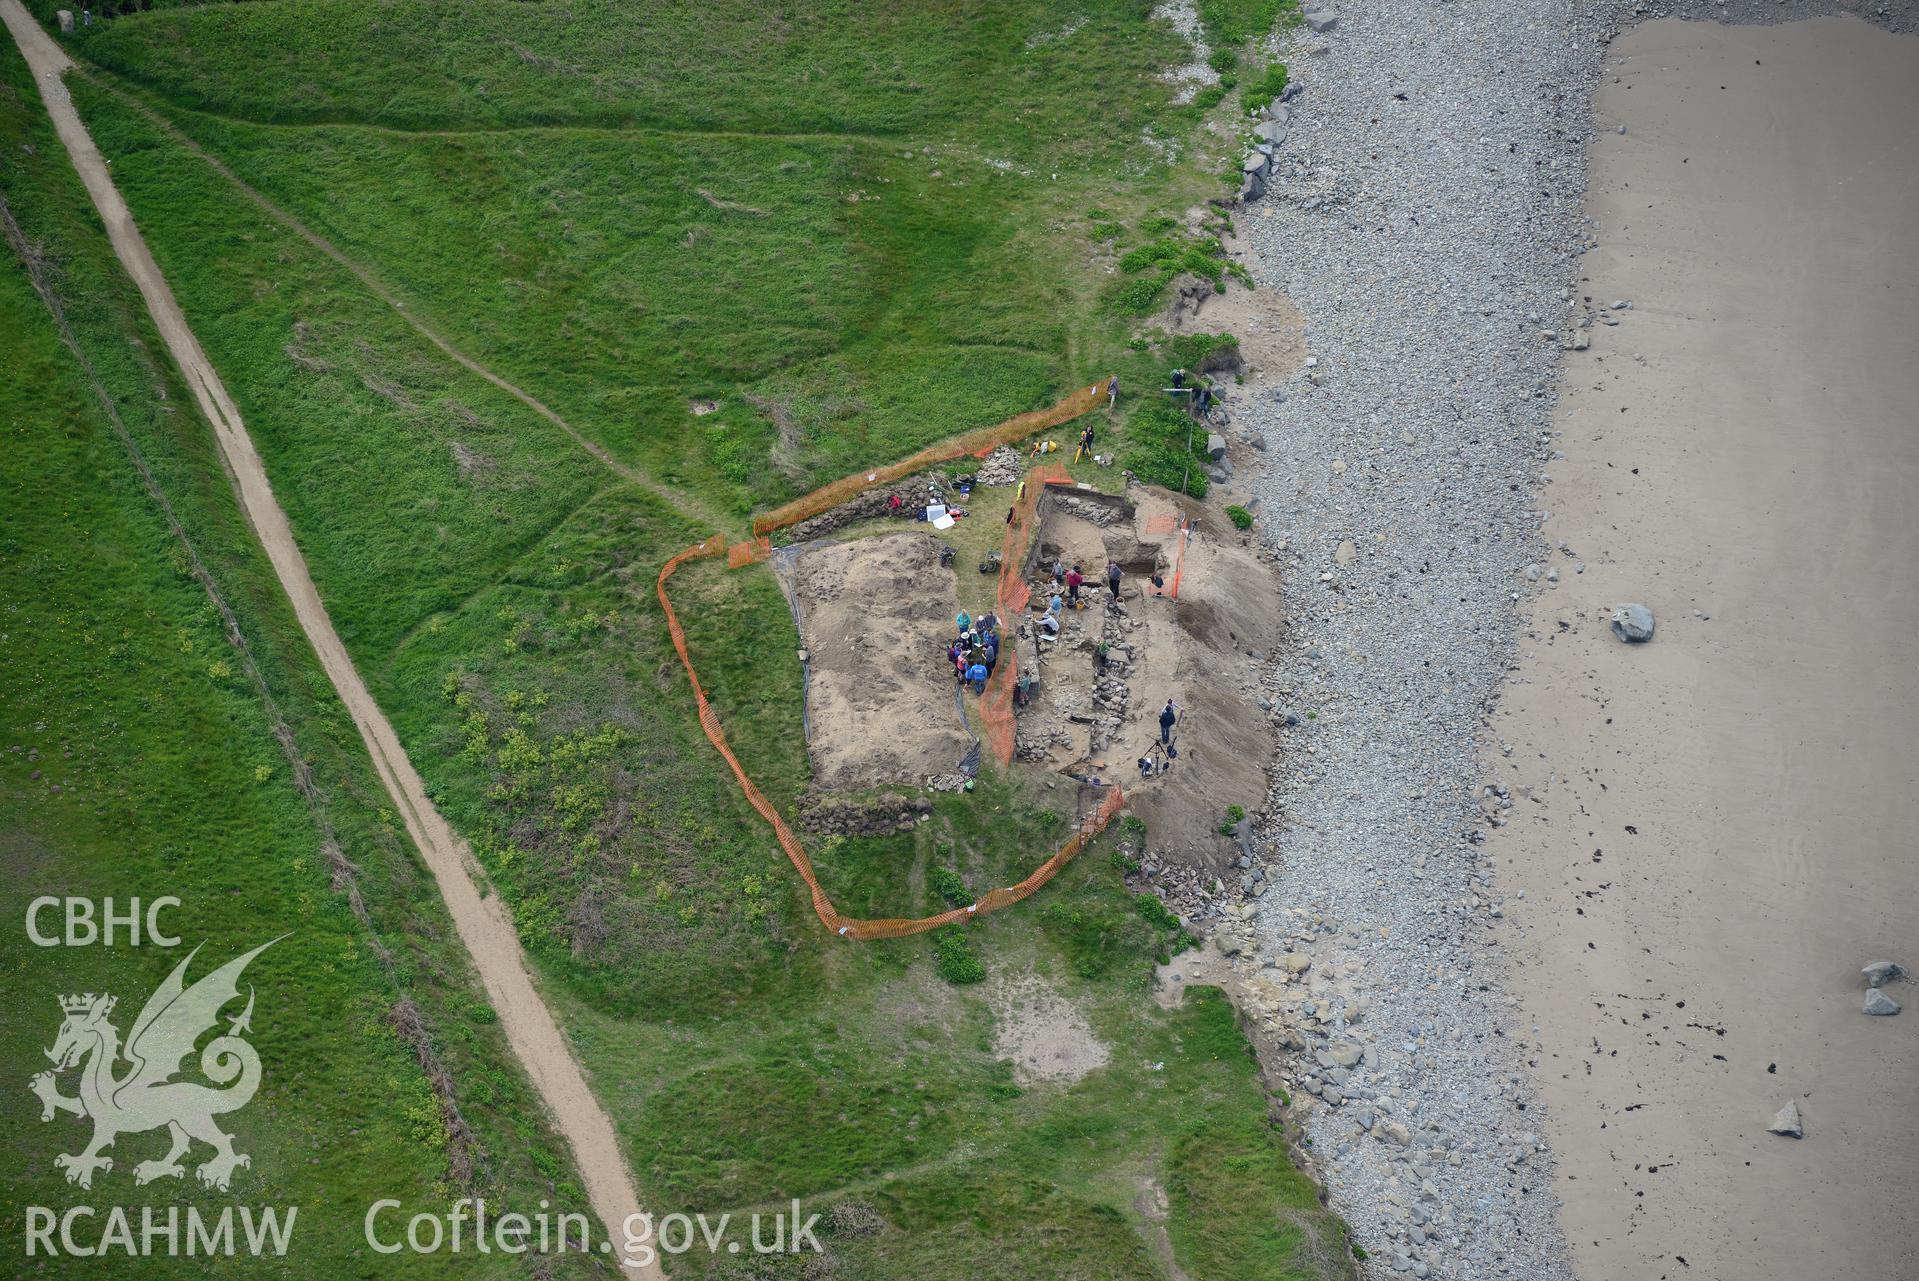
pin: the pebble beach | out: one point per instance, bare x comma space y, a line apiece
1425, 209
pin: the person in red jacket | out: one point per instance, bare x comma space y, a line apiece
1073, 579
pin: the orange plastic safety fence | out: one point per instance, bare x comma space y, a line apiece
832, 495
829, 915
740, 554
1012, 595
996, 705
1179, 560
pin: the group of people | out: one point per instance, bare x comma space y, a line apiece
1199, 397
1085, 449
975, 652
1071, 580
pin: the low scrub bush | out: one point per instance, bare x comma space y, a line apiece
1200, 255
1264, 87
1156, 913
955, 959
1141, 296
1158, 261
950, 887
1202, 351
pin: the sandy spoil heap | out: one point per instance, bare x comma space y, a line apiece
1204, 650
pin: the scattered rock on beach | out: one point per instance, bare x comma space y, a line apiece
1787, 1122
1321, 21
1632, 623
1880, 973
1877, 1002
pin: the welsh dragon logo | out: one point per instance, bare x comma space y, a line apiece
145, 1096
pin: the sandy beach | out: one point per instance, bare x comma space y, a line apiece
1714, 831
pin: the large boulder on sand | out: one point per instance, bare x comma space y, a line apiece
1632, 623
1880, 973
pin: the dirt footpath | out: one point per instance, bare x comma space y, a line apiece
482, 922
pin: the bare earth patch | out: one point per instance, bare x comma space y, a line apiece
1271, 331
1042, 1032
1205, 650
876, 616
1183, 17
473, 465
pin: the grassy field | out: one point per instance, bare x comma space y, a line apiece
854, 233
140, 756
927, 256
1014, 79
